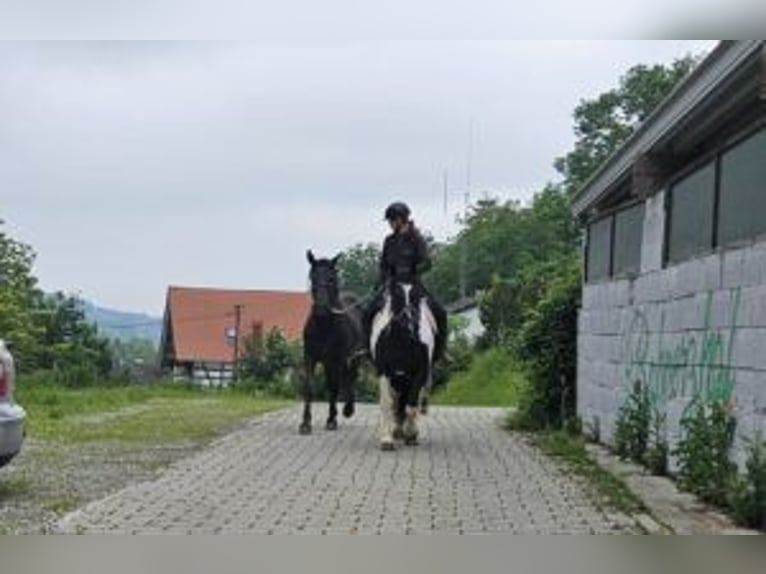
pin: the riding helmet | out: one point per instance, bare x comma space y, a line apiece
397, 210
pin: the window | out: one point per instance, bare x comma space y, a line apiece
691, 214
742, 204
628, 235
599, 256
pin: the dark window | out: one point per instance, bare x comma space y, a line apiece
628, 235
691, 214
599, 257
742, 209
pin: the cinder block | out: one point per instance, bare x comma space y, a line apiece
749, 348
685, 314
604, 322
751, 311
618, 293
594, 296
651, 287
698, 275
733, 268
750, 390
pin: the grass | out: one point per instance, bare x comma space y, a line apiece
61, 505
571, 450
147, 413
11, 486
494, 379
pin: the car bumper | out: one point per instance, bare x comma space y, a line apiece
11, 431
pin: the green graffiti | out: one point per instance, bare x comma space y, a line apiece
698, 367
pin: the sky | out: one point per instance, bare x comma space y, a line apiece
132, 166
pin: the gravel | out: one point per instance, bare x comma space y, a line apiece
47, 480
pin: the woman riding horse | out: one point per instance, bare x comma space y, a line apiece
404, 259
405, 328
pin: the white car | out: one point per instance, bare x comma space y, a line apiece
11, 415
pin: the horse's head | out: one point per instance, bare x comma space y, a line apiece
324, 282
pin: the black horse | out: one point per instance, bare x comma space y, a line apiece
402, 343
332, 336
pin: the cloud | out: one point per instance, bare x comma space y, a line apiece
130, 166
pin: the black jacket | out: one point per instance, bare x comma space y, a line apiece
404, 257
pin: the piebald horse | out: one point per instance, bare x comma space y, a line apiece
402, 346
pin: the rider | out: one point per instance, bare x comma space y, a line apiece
404, 258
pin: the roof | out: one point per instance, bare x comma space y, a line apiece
462, 305
199, 318
688, 106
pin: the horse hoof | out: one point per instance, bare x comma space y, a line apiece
348, 410
304, 429
387, 445
331, 425
411, 440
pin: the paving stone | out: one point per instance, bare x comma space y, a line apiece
466, 476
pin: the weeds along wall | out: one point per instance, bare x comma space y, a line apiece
692, 332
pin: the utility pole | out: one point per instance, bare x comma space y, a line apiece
237, 320
466, 203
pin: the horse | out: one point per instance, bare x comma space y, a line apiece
402, 342
332, 337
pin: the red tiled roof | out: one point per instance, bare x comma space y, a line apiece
199, 318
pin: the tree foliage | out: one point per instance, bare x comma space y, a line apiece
603, 123
267, 358
500, 239
45, 331
358, 268
548, 345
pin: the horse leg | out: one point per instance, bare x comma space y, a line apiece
305, 427
425, 394
410, 426
399, 415
349, 379
333, 381
387, 414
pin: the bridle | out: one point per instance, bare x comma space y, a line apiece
335, 310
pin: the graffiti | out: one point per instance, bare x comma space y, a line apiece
696, 365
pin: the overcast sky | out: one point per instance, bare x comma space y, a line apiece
133, 166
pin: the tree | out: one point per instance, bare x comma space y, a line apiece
45, 331
547, 343
18, 294
267, 358
358, 268
68, 340
603, 123
500, 240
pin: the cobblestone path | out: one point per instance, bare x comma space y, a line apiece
466, 476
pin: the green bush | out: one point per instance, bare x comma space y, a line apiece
656, 457
458, 355
631, 435
548, 346
268, 358
705, 468
748, 496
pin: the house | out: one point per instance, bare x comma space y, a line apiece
468, 310
675, 254
200, 327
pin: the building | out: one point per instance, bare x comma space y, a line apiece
675, 254
468, 310
199, 327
